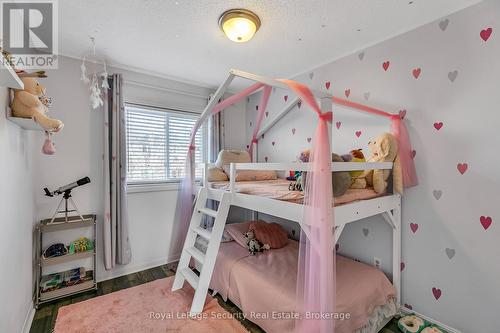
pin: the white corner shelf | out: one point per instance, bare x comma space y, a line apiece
8, 77
26, 123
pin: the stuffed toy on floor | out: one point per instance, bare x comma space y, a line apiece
253, 244
383, 149
411, 324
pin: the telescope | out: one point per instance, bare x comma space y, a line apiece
69, 187
68, 200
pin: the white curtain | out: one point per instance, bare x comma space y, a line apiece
116, 231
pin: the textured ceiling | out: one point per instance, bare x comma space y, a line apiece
181, 39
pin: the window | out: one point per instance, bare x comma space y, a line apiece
157, 144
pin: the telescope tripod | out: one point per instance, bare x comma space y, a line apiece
68, 200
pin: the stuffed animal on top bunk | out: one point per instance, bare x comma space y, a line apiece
341, 180
383, 149
253, 244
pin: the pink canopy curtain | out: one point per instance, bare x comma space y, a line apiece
316, 266
400, 132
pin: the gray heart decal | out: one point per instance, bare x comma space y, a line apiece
437, 194
311, 75
365, 231
367, 95
444, 24
452, 76
450, 253
361, 55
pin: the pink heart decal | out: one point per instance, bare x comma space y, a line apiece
413, 153
402, 266
485, 222
299, 103
248, 147
408, 306
327, 85
347, 92
267, 114
358, 133
262, 136
293, 131
250, 124
462, 167
265, 158
402, 114
285, 98
436, 292
338, 123
337, 247
416, 72
273, 143
385, 65
485, 34
309, 139
438, 125
414, 227
256, 107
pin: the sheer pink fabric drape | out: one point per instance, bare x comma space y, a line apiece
316, 266
400, 132
260, 117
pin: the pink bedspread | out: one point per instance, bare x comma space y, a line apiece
278, 189
263, 286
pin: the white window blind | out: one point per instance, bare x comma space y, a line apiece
157, 144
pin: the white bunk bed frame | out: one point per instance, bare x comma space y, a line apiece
389, 206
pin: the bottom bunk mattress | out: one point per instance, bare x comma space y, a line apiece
263, 287
278, 189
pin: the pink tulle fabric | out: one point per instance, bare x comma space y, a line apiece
400, 132
260, 117
316, 267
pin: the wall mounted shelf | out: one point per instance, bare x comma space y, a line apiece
8, 76
26, 123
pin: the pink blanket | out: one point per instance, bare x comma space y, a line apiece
263, 287
278, 189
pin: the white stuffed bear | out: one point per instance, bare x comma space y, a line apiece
253, 244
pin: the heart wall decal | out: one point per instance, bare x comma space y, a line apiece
361, 55
347, 93
402, 266
366, 231
402, 114
386, 65
358, 133
414, 227
285, 98
486, 34
462, 167
437, 194
327, 85
293, 131
438, 125
486, 221
416, 72
450, 253
311, 76
338, 124
444, 24
452, 76
436, 292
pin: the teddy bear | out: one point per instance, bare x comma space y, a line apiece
253, 244
383, 149
33, 103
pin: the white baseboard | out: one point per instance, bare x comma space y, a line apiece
431, 320
127, 269
28, 320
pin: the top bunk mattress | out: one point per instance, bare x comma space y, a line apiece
278, 189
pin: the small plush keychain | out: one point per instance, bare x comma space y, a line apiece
48, 147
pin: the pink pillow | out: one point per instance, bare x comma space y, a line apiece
270, 233
236, 231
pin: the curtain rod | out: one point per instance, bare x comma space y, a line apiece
175, 91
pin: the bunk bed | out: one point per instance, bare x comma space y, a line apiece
233, 193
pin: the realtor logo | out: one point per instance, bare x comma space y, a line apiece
29, 33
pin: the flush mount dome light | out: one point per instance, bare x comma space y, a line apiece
239, 25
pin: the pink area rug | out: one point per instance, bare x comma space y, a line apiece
150, 307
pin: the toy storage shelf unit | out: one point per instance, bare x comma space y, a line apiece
8, 76
59, 224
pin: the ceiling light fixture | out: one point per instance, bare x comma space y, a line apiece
239, 25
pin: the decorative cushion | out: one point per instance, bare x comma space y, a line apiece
215, 174
270, 233
247, 175
236, 231
227, 157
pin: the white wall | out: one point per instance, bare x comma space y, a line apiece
468, 106
79, 153
16, 208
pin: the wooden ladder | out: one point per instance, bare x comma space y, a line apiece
207, 260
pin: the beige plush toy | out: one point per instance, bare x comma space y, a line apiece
382, 149
32, 103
